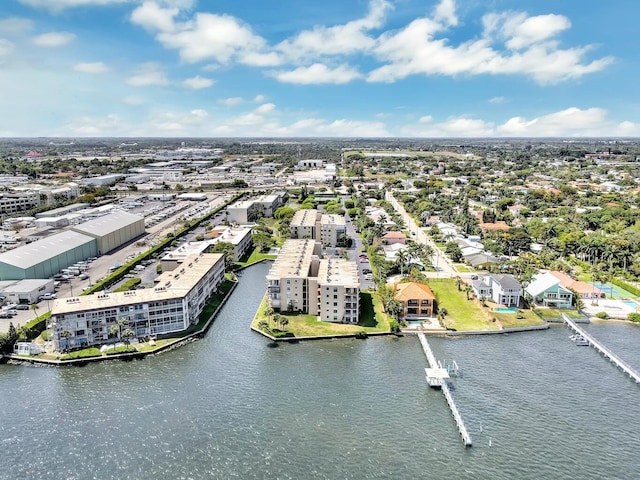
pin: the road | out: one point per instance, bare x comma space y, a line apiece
439, 260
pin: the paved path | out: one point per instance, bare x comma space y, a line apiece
439, 260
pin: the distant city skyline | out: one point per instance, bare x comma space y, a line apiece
337, 68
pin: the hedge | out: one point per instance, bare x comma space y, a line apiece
629, 288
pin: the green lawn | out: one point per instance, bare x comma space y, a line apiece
557, 313
463, 268
255, 257
463, 314
511, 320
302, 325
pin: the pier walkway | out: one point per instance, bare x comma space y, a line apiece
613, 358
435, 376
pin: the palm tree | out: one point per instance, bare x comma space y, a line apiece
264, 326
268, 312
34, 307
467, 290
597, 275
442, 313
284, 322
127, 335
66, 334
402, 258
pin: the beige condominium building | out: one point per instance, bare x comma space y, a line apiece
300, 281
328, 229
175, 303
248, 211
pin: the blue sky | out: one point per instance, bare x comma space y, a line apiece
331, 68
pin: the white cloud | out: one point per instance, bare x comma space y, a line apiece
519, 31
206, 37
445, 13
259, 98
426, 119
571, 122
197, 82
6, 47
265, 108
57, 5
179, 122
317, 73
497, 100
232, 101
343, 39
149, 74
532, 50
133, 100
53, 39
93, 67
152, 17
96, 126
15, 25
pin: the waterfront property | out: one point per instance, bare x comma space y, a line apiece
172, 305
300, 281
502, 289
417, 299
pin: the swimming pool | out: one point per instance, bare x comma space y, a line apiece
505, 309
631, 303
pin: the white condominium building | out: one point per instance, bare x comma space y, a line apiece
304, 224
338, 291
175, 303
332, 230
328, 229
248, 211
300, 281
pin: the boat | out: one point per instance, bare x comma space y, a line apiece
579, 340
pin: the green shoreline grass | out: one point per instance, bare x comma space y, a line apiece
372, 320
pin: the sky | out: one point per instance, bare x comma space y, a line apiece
310, 68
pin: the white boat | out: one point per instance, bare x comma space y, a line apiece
579, 340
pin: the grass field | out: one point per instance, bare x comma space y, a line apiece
463, 314
255, 257
373, 319
557, 313
511, 320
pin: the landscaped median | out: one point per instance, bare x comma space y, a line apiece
287, 326
139, 350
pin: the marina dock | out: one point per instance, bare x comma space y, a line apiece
606, 353
436, 377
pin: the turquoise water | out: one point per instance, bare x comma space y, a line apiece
233, 406
506, 309
631, 303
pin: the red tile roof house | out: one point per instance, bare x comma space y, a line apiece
417, 299
390, 238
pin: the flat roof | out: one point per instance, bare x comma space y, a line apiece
294, 259
338, 271
173, 284
304, 218
108, 223
36, 252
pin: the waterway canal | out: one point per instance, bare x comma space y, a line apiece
230, 406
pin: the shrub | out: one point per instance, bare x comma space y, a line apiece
634, 317
159, 268
603, 315
121, 349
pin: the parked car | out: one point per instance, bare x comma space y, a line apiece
47, 296
22, 306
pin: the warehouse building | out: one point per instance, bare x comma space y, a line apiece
113, 230
44, 258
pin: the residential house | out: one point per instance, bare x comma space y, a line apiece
546, 290
502, 289
417, 300
390, 238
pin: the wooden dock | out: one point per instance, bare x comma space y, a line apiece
436, 378
606, 353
